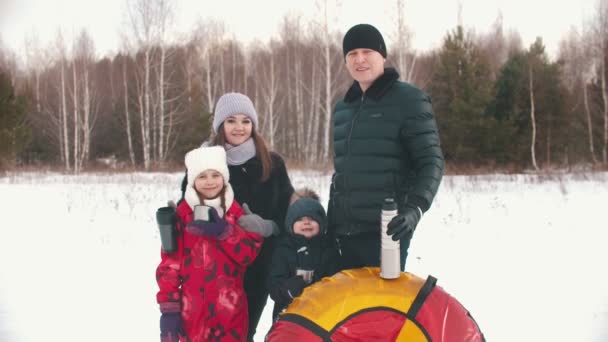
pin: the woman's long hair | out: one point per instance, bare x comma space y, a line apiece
261, 149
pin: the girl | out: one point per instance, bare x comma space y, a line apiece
259, 179
201, 293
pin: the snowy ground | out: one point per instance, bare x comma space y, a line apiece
525, 254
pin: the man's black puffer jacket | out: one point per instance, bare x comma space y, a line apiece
386, 144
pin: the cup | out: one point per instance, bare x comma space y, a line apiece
306, 274
201, 212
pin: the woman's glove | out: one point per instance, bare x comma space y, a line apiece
256, 224
171, 327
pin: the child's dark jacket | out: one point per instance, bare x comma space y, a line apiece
292, 252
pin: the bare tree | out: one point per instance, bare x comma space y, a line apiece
127, 112
403, 46
37, 60
165, 19
149, 22
208, 35
142, 19
85, 54
600, 32
578, 71
63, 117
269, 86
291, 36
329, 77
496, 46
532, 116
311, 147
75, 115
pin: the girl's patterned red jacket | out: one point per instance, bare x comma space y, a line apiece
203, 279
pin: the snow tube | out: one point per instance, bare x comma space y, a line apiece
358, 305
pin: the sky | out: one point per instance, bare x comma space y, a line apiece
525, 254
250, 20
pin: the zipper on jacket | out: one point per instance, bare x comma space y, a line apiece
348, 143
352, 125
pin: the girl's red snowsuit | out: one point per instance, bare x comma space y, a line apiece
203, 279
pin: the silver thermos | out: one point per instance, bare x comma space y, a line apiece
390, 252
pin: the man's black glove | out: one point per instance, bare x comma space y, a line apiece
405, 223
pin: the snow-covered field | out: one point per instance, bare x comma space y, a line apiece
527, 255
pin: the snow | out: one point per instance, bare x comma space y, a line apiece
525, 254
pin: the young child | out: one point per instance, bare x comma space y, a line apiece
201, 292
304, 255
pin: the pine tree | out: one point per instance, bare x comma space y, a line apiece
461, 90
509, 109
14, 133
512, 105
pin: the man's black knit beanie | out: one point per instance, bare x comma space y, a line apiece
363, 36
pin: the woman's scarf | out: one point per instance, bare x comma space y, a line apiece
239, 154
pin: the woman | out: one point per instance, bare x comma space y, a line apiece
260, 182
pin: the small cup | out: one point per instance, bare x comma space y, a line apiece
201, 212
306, 274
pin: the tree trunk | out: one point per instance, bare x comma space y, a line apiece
270, 102
233, 74
210, 87
406, 69
76, 117
605, 99
549, 146
222, 71
38, 107
312, 134
532, 120
145, 112
86, 124
589, 122
127, 118
64, 118
299, 141
162, 146
327, 124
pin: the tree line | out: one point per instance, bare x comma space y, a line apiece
498, 104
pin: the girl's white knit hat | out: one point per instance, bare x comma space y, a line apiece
206, 158
231, 104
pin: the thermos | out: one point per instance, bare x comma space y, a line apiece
390, 253
166, 220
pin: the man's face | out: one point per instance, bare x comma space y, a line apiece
365, 66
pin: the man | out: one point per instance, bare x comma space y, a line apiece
386, 144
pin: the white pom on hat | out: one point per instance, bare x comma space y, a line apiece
206, 158
231, 104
